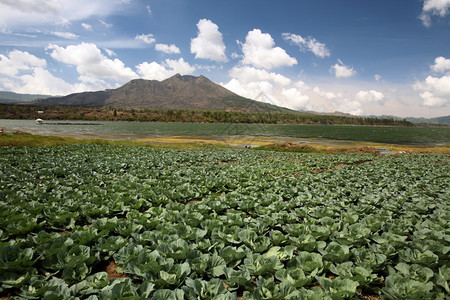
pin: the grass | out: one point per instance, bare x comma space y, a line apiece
27, 139
187, 142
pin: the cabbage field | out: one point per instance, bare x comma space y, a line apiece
123, 222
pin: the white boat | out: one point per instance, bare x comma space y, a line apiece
39, 121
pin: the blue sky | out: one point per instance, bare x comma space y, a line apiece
356, 56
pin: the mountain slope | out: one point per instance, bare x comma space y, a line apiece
10, 97
176, 92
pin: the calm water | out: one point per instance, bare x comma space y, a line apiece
395, 135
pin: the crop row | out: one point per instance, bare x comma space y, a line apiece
105, 222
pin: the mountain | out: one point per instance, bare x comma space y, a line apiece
438, 120
177, 92
10, 97
444, 120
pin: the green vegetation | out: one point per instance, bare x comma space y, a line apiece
26, 139
115, 222
197, 116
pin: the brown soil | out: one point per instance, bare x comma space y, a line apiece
370, 297
192, 202
112, 273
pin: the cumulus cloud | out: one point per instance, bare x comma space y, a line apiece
209, 42
371, 96
294, 98
146, 38
23, 72
435, 91
326, 94
90, 62
66, 35
259, 50
169, 49
434, 7
431, 100
337, 101
342, 71
169, 67
248, 74
269, 87
348, 106
308, 44
42, 81
18, 61
441, 65
257, 90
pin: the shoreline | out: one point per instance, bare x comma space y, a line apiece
188, 141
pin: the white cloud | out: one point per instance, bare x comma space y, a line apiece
348, 106
308, 44
42, 81
17, 14
435, 91
18, 61
259, 50
269, 87
342, 71
294, 98
146, 38
149, 10
180, 66
35, 6
248, 74
301, 85
91, 62
257, 90
63, 22
370, 96
326, 94
441, 65
430, 100
86, 26
169, 49
66, 35
110, 52
156, 71
377, 77
337, 101
209, 42
107, 25
25, 73
234, 55
434, 7
208, 68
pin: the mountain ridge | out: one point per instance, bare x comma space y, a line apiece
11, 97
177, 92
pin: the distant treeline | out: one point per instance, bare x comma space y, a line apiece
150, 115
